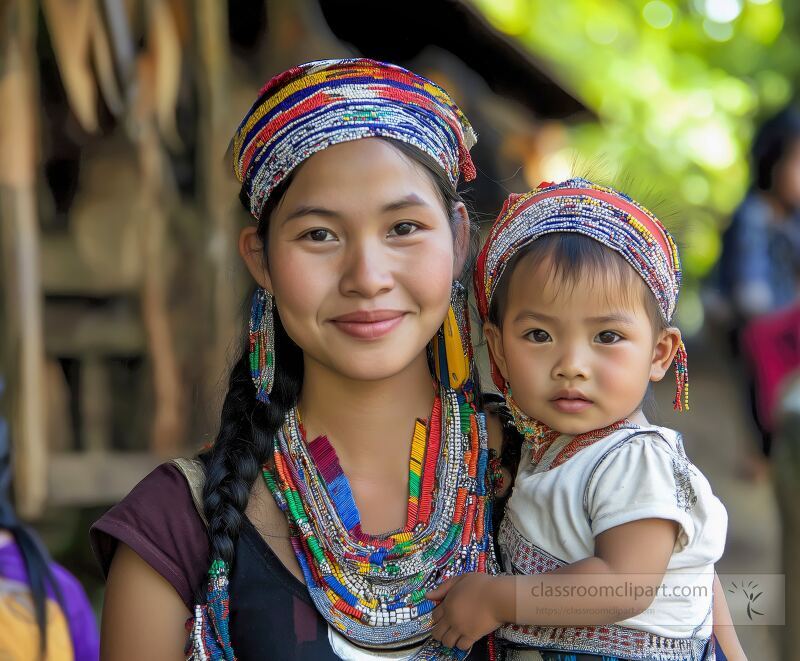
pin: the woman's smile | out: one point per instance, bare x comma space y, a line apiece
369, 324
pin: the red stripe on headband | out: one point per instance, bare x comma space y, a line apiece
316, 100
615, 201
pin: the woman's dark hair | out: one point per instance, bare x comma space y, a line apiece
247, 426
774, 138
34, 555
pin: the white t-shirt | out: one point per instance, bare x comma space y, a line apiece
554, 515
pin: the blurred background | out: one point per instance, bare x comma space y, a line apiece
122, 292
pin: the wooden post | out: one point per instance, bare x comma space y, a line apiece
95, 403
297, 33
158, 74
169, 425
19, 254
218, 188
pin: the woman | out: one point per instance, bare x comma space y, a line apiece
760, 265
759, 269
350, 168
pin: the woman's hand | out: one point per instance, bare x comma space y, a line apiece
468, 610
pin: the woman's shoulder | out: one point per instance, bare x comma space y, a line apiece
159, 521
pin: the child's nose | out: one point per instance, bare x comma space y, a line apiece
572, 364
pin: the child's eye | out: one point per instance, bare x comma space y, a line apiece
404, 228
319, 235
538, 336
608, 337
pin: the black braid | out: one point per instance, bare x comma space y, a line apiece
244, 442
247, 429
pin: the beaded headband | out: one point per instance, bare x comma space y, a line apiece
318, 104
603, 214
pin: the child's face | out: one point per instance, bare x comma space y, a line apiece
580, 357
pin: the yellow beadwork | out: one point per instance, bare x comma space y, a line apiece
457, 360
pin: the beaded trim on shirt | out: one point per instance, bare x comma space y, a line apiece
684, 494
610, 640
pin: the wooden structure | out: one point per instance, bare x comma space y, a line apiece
121, 285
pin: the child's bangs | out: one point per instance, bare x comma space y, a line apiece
568, 260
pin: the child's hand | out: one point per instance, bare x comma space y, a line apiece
468, 612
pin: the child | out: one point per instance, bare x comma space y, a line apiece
577, 286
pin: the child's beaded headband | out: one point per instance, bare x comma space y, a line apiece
315, 105
603, 214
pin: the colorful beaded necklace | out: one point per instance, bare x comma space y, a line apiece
371, 588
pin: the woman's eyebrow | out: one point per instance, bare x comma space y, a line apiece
410, 200
308, 210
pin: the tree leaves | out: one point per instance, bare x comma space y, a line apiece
676, 106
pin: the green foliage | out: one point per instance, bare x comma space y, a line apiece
678, 88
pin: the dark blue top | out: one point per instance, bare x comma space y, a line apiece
760, 258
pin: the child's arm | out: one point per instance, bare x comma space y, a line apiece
618, 582
723, 626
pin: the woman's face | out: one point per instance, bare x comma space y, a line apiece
360, 259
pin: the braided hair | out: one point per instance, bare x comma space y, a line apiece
247, 427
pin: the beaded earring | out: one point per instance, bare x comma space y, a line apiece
452, 346
681, 401
262, 344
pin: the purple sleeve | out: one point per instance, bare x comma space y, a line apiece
158, 520
79, 615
